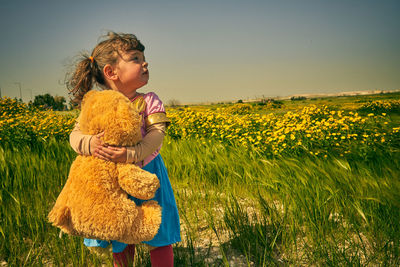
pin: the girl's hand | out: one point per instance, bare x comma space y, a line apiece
111, 153
95, 143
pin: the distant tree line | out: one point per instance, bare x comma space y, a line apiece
296, 98
48, 101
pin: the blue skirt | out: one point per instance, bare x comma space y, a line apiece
169, 232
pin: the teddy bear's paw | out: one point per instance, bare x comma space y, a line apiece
151, 214
146, 224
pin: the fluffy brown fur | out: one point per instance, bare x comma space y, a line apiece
94, 201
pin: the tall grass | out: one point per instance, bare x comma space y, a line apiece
275, 211
333, 211
31, 179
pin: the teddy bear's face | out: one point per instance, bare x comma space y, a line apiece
110, 112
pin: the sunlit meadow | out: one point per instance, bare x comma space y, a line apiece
272, 183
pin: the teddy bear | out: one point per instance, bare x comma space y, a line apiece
94, 201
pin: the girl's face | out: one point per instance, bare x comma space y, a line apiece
132, 71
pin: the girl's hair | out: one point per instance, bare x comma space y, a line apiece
89, 69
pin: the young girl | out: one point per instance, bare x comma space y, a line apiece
118, 63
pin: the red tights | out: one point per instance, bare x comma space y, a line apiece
160, 257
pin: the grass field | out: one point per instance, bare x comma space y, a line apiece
239, 206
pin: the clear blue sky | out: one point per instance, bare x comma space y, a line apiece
210, 50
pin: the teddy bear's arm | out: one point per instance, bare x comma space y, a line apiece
137, 182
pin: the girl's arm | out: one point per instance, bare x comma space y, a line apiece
84, 144
80, 142
150, 143
152, 140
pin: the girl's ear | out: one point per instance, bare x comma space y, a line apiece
109, 73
